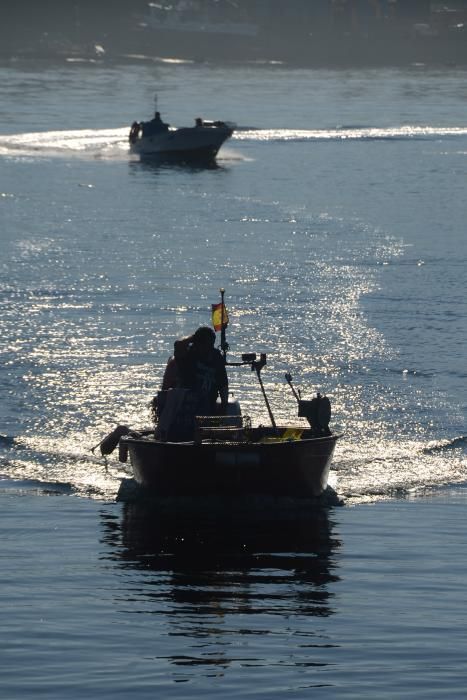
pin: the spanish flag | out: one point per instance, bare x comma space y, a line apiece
220, 317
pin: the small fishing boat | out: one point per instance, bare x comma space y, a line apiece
224, 455
201, 142
264, 461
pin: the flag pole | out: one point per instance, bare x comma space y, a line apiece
224, 343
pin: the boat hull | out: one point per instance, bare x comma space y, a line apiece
184, 144
295, 469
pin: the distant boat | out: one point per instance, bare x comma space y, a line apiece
197, 143
185, 29
186, 17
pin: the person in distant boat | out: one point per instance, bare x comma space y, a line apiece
198, 121
155, 126
199, 366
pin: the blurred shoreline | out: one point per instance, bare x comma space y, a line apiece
322, 35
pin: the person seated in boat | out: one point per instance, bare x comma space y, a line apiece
155, 126
197, 365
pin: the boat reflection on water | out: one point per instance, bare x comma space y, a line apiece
226, 565
156, 164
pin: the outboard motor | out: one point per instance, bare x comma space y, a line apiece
134, 132
317, 412
110, 442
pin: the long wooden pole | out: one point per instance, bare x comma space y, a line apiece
224, 344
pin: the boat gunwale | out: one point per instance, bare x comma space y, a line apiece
128, 439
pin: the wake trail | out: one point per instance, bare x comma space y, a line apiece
113, 143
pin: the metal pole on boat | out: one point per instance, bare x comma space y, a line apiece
258, 366
288, 379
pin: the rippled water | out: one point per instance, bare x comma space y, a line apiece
108, 601
341, 248
336, 222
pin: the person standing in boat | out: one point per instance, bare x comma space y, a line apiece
197, 365
155, 126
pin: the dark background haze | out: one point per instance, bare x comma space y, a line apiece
322, 32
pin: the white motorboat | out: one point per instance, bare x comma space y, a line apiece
197, 143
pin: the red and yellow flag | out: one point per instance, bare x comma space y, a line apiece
220, 317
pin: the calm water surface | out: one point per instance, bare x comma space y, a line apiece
336, 222
110, 600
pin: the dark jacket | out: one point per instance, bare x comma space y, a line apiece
206, 376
